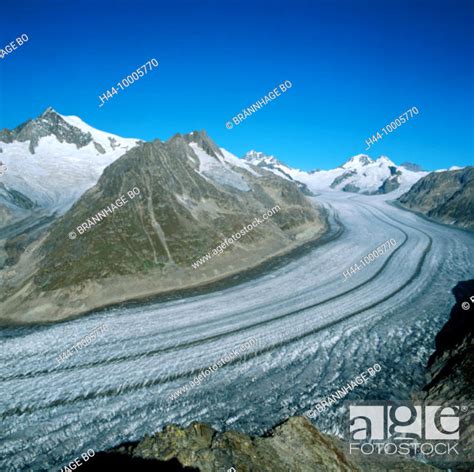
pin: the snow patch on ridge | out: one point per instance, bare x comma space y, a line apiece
235, 161
217, 170
101, 137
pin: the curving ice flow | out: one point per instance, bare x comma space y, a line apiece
314, 332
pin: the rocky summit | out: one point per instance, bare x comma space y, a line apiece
49, 123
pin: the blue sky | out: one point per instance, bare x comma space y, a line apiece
354, 66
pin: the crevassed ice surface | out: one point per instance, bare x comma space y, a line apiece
315, 333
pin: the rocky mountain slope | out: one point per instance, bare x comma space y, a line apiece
446, 196
360, 174
191, 195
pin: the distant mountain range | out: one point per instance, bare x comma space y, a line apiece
53, 159
360, 174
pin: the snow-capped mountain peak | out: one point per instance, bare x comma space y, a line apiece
256, 158
357, 162
385, 161
61, 146
66, 129
50, 111
362, 160
259, 159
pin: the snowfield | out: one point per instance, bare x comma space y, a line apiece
218, 170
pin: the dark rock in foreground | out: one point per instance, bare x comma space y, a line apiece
295, 445
451, 366
451, 369
123, 461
